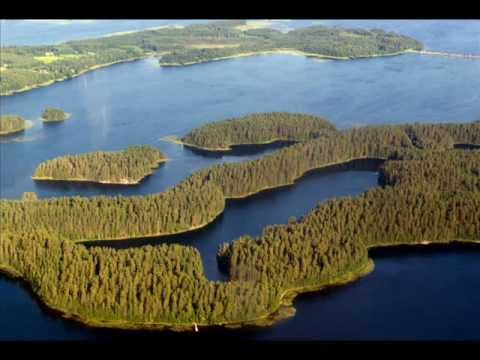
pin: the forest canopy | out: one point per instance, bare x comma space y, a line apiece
54, 115
257, 128
430, 195
10, 124
129, 166
25, 67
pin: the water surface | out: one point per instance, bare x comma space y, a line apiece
412, 294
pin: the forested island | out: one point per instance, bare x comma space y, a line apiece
314, 41
429, 195
54, 115
11, 124
258, 128
26, 67
125, 167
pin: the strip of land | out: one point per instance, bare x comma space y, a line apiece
26, 68
424, 179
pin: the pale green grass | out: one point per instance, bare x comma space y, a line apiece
48, 59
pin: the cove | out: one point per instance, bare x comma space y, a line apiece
413, 294
250, 215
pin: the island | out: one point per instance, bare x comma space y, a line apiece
315, 41
11, 124
54, 115
258, 128
125, 167
23, 68
429, 193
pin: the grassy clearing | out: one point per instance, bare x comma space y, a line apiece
254, 24
48, 59
212, 46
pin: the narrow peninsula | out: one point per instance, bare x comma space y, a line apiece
125, 167
258, 128
24, 68
50, 115
429, 193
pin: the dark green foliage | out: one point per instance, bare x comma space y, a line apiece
258, 128
441, 170
284, 166
121, 167
22, 68
11, 124
352, 43
53, 114
190, 204
432, 197
22, 71
319, 40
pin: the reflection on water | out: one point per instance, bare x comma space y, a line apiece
419, 295
241, 150
249, 216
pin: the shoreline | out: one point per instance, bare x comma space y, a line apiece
105, 182
67, 116
254, 53
28, 125
304, 173
285, 52
51, 82
175, 140
197, 227
226, 198
283, 310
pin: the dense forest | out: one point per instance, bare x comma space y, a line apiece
201, 197
257, 129
10, 124
430, 194
25, 67
53, 115
315, 41
129, 166
192, 203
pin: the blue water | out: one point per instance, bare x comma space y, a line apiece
441, 35
48, 32
425, 295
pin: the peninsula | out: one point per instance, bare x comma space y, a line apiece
424, 182
258, 128
125, 167
27, 67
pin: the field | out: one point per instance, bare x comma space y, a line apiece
48, 59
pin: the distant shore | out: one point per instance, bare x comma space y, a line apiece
50, 82
284, 52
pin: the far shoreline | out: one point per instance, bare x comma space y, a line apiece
286, 52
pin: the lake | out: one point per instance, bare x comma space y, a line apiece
412, 294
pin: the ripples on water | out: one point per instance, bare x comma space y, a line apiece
419, 295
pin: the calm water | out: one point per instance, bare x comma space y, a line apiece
417, 294
47, 32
